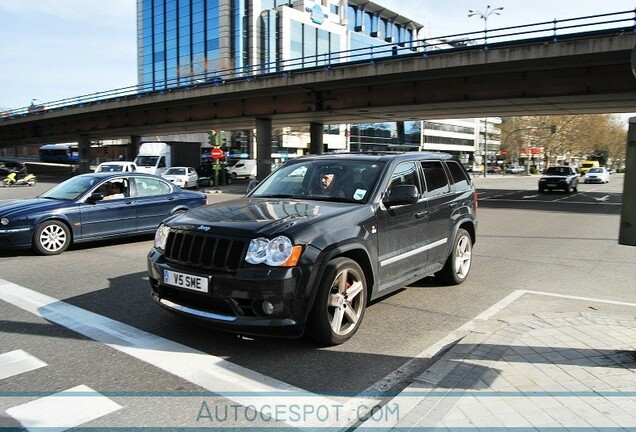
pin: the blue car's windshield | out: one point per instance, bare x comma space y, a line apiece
71, 189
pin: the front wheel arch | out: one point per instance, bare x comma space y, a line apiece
340, 302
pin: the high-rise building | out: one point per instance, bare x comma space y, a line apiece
193, 41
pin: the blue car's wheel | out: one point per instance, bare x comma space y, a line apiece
51, 238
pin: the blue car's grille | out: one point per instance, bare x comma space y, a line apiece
204, 251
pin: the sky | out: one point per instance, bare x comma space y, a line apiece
57, 49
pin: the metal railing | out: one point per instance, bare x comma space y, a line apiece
553, 31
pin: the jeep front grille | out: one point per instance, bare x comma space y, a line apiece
204, 251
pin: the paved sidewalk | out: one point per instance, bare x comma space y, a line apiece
572, 367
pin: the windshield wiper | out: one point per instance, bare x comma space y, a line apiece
279, 196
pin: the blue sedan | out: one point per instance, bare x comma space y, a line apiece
92, 207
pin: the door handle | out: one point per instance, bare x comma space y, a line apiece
421, 214
453, 204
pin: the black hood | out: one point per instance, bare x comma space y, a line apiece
258, 216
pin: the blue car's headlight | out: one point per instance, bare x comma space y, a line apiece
278, 252
161, 236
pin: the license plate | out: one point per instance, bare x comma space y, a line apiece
551, 185
182, 280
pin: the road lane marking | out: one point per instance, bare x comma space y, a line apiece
560, 200
63, 410
212, 373
18, 362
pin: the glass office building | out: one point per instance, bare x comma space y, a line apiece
181, 42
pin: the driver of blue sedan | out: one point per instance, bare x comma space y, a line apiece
116, 191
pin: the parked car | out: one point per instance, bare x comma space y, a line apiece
184, 177
76, 211
597, 175
207, 174
313, 243
118, 166
494, 170
515, 169
559, 177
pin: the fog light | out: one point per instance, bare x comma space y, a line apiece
268, 308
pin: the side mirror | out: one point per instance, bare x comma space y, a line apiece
95, 197
252, 185
401, 195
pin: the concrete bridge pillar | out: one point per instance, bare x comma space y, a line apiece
84, 150
133, 147
263, 148
316, 133
627, 234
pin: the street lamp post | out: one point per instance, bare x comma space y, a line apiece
485, 146
484, 16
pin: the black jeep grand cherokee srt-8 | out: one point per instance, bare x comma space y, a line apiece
311, 245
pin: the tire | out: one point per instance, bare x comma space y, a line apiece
233, 176
458, 263
228, 180
51, 238
339, 304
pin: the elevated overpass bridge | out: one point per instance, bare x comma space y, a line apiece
589, 71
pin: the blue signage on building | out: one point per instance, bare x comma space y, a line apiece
317, 14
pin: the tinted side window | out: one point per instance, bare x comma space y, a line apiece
405, 174
150, 187
458, 175
436, 180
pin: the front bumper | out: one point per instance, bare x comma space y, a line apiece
235, 300
16, 238
554, 184
593, 180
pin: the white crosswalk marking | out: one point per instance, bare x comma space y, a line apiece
212, 373
63, 410
17, 362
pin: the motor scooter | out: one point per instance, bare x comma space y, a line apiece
12, 180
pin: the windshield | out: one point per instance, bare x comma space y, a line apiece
557, 171
595, 170
72, 188
322, 179
146, 161
175, 171
110, 168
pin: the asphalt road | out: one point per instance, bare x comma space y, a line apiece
556, 242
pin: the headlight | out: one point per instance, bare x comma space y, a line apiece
161, 236
257, 251
4, 221
276, 252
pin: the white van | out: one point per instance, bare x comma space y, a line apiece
244, 168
